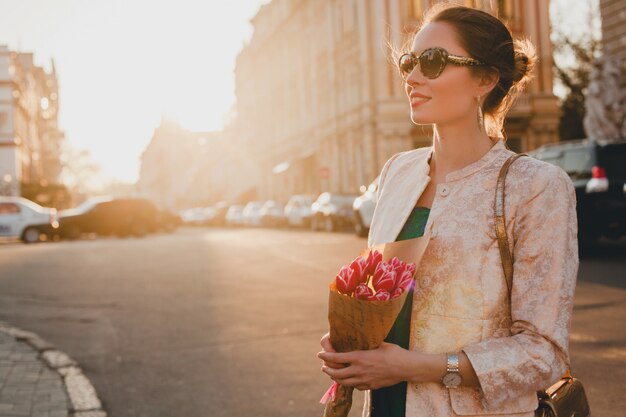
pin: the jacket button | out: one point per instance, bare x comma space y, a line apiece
433, 233
424, 280
445, 190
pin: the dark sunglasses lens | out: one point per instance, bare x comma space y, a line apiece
431, 63
406, 64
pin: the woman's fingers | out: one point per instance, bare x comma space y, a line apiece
325, 342
334, 365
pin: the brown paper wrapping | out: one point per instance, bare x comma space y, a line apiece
363, 325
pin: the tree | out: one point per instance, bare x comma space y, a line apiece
573, 62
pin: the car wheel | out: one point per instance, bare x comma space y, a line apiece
328, 224
31, 235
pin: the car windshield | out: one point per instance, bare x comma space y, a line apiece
32, 205
578, 162
89, 204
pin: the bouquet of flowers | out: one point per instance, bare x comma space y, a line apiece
365, 299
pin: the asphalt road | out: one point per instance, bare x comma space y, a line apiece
218, 322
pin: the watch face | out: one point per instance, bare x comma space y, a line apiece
452, 379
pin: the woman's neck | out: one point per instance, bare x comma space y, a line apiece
455, 147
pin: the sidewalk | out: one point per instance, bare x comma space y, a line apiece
36, 380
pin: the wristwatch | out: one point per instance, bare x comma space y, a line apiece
452, 378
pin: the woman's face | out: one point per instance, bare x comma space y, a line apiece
449, 98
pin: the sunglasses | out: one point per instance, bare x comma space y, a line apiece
432, 62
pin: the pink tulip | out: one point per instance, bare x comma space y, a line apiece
374, 258
384, 277
397, 292
363, 292
395, 262
381, 296
359, 266
411, 267
405, 280
346, 280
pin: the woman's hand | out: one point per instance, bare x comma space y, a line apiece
327, 347
367, 369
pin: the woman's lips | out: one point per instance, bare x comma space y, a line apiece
418, 101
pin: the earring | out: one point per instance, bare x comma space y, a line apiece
481, 119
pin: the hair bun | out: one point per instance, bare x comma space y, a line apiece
525, 58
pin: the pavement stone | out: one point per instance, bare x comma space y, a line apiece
36, 380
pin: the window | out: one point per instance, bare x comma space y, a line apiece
417, 9
505, 9
9, 208
577, 162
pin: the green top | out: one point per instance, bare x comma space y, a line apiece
391, 401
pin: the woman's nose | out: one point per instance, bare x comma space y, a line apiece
415, 76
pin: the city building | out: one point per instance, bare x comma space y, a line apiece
30, 139
613, 14
321, 107
177, 167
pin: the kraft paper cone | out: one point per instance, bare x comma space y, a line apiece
363, 325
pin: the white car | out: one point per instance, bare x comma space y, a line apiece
272, 214
364, 208
298, 210
24, 219
197, 216
234, 216
252, 213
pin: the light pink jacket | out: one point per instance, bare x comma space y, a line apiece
461, 300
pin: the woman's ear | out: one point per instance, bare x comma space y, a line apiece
487, 81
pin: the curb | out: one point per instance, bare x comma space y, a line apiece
84, 401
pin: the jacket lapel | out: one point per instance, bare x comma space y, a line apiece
405, 182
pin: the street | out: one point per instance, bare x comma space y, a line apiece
226, 322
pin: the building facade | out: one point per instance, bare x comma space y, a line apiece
30, 139
178, 167
613, 14
321, 107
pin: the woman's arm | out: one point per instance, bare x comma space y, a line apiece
425, 367
545, 252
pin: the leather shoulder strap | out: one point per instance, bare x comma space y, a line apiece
498, 208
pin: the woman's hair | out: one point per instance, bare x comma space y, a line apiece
486, 38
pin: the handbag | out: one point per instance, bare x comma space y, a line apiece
565, 398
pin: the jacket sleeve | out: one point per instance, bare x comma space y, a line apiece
545, 250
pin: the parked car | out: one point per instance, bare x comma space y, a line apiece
168, 221
252, 213
298, 210
219, 216
234, 216
197, 216
106, 216
26, 220
364, 206
332, 211
598, 170
272, 214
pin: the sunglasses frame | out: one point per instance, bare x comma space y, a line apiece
447, 57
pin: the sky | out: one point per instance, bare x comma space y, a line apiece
122, 64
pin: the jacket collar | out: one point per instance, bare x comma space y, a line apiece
467, 170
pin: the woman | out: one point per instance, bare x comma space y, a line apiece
463, 347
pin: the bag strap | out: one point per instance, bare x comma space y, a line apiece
498, 210
503, 242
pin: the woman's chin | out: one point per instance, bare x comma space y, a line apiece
419, 119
